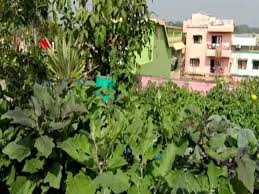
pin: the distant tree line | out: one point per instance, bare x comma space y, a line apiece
177, 23
241, 29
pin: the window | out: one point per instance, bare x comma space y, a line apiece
242, 64
216, 39
195, 62
197, 39
256, 65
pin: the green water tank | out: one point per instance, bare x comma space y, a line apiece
107, 84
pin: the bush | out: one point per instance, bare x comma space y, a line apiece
158, 140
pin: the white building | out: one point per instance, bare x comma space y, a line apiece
244, 58
243, 41
245, 63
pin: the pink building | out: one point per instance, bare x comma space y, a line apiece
208, 45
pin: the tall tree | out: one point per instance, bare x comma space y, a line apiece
113, 31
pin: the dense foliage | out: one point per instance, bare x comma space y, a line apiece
244, 28
158, 140
21, 61
109, 34
60, 136
112, 31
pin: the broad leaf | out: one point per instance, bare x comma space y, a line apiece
225, 186
217, 141
33, 165
54, 176
18, 116
77, 147
11, 176
18, 150
246, 172
36, 105
214, 173
246, 138
139, 190
217, 123
239, 187
44, 189
183, 180
167, 159
191, 182
196, 157
4, 162
150, 138
72, 107
80, 183
42, 95
117, 161
223, 155
141, 185
59, 125
118, 182
44, 145
22, 186
203, 182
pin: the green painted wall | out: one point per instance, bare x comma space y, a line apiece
147, 53
160, 66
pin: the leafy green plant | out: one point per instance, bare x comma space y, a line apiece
68, 140
19, 71
23, 12
112, 31
162, 139
21, 68
29, 147
66, 61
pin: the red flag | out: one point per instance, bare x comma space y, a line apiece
44, 44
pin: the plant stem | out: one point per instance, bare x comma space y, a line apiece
157, 187
97, 159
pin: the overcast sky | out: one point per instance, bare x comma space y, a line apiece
242, 11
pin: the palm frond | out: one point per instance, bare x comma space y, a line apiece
66, 61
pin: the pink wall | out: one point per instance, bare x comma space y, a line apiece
196, 50
191, 85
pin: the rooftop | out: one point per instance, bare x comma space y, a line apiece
158, 21
200, 20
244, 40
245, 35
163, 23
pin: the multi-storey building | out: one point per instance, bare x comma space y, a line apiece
208, 45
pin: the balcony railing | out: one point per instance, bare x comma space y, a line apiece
223, 46
219, 28
219, 50
175, 39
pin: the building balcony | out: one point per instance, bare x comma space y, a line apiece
175, 39
219, 50
225, 28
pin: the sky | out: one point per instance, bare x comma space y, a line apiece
242, 11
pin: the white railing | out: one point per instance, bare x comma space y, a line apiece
223, 46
